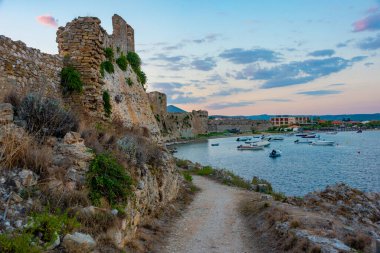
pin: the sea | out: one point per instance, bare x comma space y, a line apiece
302, 168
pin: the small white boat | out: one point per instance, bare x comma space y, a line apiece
302, 141
275, 153
248, 147
261, 144
266, 138
323, 143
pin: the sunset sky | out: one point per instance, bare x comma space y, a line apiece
234, 57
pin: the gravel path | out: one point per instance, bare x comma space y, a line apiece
212, 222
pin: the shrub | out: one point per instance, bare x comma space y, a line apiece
187, 176
47, 227
129, 81
70, 80
257, 181
109, 53
182, 163
205, 171
107, 178
122, 62
142, 77
106, 66
107, 103
134, 59
45, 117
18, 243
12, 98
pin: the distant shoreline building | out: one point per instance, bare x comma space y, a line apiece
287, 120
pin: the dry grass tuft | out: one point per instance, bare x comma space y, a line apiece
19, 149
97, 223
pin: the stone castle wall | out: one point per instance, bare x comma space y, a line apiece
177, 125
244, 125
24, 70
81, 44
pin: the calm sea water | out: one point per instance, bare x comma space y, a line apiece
302, 168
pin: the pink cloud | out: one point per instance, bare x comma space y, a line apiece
369, 23
47, 20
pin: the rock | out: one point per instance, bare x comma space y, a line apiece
72, 137
16, 198
141, 185
6, 114
114, 212
89, 210
28, 178
18, 223
55, 244
78, 241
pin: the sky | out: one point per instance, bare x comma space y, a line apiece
234, 57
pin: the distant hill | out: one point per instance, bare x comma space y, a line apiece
353, 117
174, 109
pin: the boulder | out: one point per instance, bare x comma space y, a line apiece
6, 114
72, 137
78, 242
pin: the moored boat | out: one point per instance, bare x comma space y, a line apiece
310, 136
275, 153
214, 144
261, 144
249, 147
359, 131
334, 132
277, 138
243, 139
302, 141
323, 143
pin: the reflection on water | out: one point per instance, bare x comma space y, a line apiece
302, 168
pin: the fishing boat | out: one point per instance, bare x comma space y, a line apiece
261, 144
323, 143
275, 153
214, 144
302, 141
248, 147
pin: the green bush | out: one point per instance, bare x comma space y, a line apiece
122, 62
187, 176
134, 59
182, 163
107, 103
107, 178
48, 227
205, 171
106, 66
70, 80
109, 53
129, 81
18, 243
142, 77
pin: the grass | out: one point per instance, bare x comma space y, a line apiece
106, 66
109, 53
182, 163
18, 243
187, 176
205, 171
129, 82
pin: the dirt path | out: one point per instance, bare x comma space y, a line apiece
212, 222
